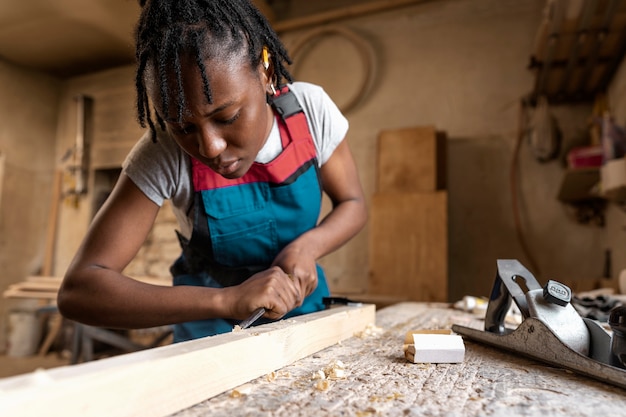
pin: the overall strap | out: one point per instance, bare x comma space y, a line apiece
286, 105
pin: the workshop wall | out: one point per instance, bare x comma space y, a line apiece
460, 65
28, 111
616, 215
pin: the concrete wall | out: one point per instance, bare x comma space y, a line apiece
28, 111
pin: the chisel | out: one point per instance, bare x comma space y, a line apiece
254, 317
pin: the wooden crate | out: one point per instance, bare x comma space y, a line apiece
409, 246
411, 160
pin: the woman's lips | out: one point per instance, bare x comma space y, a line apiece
228, 168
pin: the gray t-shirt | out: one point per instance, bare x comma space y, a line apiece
162, 170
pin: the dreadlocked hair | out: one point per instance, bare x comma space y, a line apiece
168, 28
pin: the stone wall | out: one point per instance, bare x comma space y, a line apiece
160, 249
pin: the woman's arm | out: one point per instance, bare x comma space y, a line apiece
341, 183
95, 292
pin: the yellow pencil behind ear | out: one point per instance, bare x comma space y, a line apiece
266, 58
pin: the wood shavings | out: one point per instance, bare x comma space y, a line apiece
237, 328
322, 385
370, 330
272, 376
318, 375
241, 391
336, 370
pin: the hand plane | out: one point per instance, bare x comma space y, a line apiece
552, 331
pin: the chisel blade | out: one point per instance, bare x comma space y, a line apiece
254, 317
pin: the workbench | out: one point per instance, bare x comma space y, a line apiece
379, 380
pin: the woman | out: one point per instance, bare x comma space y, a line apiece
244, 160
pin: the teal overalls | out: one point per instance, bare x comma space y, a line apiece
241, 224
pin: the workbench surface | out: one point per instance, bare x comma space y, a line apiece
380, 381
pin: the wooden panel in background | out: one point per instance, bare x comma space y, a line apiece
115, 129
409, 246
2, 158
411, 160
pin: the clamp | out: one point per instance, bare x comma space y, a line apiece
552, 331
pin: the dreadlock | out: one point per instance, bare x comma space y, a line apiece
168, 28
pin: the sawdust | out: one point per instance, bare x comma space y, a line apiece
387, 398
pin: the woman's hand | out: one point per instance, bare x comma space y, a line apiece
272, 289
300, 266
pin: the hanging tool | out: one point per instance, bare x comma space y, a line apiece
552, 331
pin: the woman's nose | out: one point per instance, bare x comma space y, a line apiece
211, 145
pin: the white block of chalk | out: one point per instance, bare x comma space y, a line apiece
436, 348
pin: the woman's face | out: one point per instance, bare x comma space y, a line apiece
228, 133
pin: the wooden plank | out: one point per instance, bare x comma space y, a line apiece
43, 295
409, 245
32, 286
2, 159
411, 160
53, 215
41, 278
165, 380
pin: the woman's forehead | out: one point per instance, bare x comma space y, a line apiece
226, 79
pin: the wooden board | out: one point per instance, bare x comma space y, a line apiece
53, 216
47, 287
162, 381
411, 160
2, 158
409, 245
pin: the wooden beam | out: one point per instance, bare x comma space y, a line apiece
342, 13
162, 381
2, 158
53, 215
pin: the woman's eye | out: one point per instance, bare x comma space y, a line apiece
229, 121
